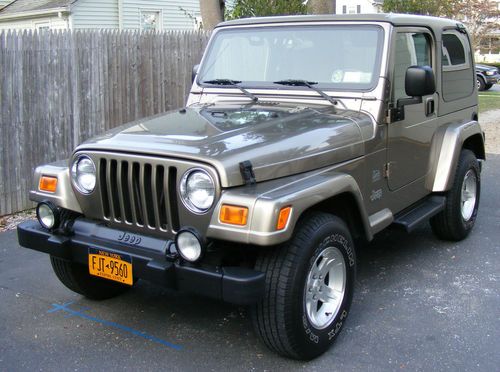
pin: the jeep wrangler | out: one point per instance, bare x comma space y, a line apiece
302, 137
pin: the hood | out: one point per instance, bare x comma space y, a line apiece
485, 67
278, 139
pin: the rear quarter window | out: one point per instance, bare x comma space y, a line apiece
457, 76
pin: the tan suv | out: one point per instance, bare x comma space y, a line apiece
302, 137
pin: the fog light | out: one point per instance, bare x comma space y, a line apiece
189, 245
48, 215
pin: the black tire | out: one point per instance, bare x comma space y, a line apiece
281, 319
76, 277
487, 86
480, 83
450, 224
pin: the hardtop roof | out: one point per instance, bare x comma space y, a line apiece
392, 18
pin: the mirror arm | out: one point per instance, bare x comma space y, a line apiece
398, 113
409, 101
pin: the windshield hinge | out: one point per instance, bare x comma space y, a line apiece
246, 170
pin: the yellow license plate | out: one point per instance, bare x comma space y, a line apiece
112, 266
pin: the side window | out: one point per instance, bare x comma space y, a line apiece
454, 56
457, 76
412, 49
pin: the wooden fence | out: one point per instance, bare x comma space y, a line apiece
59, 88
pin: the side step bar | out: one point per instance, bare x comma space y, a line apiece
409, 219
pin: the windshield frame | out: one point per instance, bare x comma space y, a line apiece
378, 71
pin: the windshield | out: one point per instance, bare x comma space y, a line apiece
340, 57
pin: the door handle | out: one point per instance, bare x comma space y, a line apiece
429, 107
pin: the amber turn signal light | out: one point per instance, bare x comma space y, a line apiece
233, 215
283, 218
48, 183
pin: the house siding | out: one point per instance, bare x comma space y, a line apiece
54, 23
172, 16
94, 14
105, 14
356, 6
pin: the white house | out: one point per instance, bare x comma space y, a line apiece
358, 6
100, 14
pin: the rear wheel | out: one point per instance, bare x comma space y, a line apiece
309, 288
457, 219
76, 277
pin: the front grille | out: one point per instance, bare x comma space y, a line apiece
137, 193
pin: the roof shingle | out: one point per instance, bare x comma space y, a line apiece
19, 6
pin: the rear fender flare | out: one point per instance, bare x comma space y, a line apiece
446, 146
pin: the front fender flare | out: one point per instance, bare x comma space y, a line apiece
264, 203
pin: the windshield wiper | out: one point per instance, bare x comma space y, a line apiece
233, 84
309, 84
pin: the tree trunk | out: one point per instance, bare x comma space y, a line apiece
212, 12
321, 7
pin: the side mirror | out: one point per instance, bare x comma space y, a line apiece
194, 72
419, 81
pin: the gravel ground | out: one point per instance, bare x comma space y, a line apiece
490, 122
10, 222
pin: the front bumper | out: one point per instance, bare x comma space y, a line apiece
236, 285
492, 79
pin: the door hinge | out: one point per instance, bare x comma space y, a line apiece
387, 170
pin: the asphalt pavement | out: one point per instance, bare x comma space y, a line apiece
420, 304
495, 88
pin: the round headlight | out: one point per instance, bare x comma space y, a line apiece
47, 215
83, 174
188, 245
197, 190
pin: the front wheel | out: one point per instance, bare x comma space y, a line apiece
76, 277
309, 288
457, 219
481, 85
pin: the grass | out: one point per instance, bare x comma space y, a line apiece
489, 101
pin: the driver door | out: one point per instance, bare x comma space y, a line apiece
409, 139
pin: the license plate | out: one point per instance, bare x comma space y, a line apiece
112, 266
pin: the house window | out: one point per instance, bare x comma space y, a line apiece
352, 9
150, 20
42, 26
344, 9
358, 9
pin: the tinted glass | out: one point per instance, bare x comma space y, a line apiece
453, 51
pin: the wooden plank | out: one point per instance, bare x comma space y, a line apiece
7, 109
4, 193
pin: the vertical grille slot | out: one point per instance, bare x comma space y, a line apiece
134, 180
172, 198
104, 189
149, 205
124, 192
112, 189
161, 196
